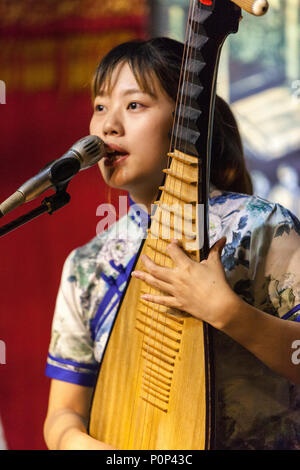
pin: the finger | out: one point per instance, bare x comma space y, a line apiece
152, 281
177, 254
160, 272
216, 250
167, 301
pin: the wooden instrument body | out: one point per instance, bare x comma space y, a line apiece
155, 384
157, 397
146, 404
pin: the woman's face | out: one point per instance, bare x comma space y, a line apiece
136, 125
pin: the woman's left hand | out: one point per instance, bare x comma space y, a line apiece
200, 289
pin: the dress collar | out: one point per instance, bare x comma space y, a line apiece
138, 214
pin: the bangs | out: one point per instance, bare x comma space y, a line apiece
139, 63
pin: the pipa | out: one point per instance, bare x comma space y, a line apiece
155, 387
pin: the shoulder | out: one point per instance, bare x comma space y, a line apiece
252, 211
251, 226
226, 202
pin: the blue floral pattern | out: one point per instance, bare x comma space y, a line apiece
255, 408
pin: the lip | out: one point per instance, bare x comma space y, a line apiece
115, 147
112, 162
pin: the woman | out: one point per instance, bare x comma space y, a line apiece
134, 93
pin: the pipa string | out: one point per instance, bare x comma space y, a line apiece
180, 105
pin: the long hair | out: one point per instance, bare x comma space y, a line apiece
162, 58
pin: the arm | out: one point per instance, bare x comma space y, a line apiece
65, 426
202, 290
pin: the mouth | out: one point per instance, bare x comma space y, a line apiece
115, 155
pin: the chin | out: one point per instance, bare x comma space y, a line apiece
118, 180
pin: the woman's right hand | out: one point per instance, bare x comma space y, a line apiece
200, 289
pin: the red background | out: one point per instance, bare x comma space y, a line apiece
36, 128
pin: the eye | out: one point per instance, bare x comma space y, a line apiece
135, 105
99, 107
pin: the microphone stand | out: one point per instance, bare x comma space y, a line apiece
49, 204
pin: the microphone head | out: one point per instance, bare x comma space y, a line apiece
83, 154
90, 150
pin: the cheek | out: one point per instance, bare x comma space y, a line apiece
94, 127
159, 134
161, 140
166, 126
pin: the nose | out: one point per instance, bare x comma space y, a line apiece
113, 124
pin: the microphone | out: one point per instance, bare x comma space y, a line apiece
83, 154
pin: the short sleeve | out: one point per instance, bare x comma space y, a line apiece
71, 356
282, 263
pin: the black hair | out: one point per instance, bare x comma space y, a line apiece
162, 57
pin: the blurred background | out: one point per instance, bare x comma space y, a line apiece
48, 52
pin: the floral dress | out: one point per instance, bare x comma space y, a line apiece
255, 407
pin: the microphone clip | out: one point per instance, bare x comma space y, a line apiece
57, 200
50, 204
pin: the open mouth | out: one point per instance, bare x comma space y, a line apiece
114, 156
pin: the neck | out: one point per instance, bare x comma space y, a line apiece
144, 199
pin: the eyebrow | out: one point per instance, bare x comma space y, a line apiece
130, 91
